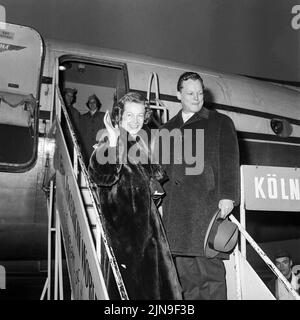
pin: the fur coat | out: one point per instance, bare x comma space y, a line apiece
134, 226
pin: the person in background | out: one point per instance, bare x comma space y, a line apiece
128, 191
90, 123
284, 262
192, 199
69, 95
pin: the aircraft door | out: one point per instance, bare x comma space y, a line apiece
21, 62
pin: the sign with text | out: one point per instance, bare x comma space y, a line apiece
84, 270
271, 188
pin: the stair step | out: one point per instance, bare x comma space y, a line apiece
91, 216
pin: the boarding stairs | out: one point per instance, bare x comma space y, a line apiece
76, 221
74, 216
243, 283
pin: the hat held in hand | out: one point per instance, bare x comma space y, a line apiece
221, 236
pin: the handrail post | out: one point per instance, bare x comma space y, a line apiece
58, 282
56, 257
49, 238
243, 213
238, 273
60, 273
47, 286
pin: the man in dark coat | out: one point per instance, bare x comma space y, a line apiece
194, 196
74, 114
69, 96
90, 123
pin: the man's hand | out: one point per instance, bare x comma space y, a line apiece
226, 206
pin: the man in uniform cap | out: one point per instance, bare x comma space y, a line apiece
70, 99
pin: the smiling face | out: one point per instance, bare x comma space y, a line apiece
191, 96
284, 264
133, 117
92, 104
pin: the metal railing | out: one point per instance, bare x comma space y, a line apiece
158, 104
98, 230
264, 257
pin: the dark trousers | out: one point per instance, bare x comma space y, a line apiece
201, 278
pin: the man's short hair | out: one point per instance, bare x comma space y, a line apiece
282, 254
186, 76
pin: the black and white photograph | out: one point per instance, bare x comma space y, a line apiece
149, 151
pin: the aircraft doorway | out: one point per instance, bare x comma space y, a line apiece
85, 78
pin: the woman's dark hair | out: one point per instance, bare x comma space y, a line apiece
186, 76
136, 97
98, 102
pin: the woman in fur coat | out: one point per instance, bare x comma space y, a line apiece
128, 186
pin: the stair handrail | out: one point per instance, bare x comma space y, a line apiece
265, 258
100, 224
159, 104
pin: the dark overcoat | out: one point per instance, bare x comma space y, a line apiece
74, 115
191, 200
89, 127
134, 227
